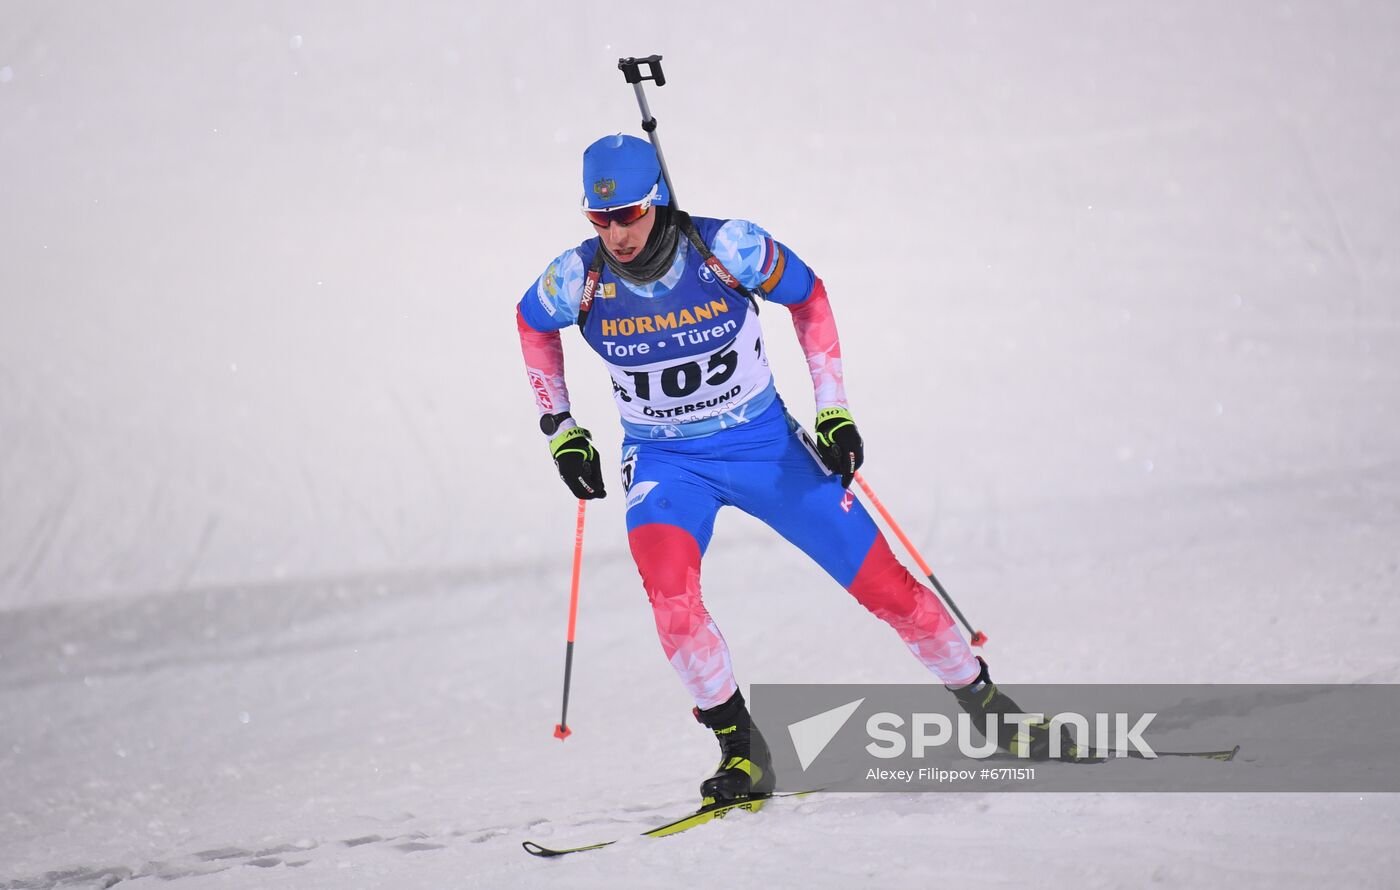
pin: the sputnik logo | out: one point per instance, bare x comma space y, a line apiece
811, 736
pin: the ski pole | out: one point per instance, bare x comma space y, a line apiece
631, 69
561, 729
978, 638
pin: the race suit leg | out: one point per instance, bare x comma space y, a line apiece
670, 518
792, 494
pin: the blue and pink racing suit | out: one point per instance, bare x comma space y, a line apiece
705, 428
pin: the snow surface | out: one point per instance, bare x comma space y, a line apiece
283, 562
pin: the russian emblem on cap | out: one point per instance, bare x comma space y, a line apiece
604, 188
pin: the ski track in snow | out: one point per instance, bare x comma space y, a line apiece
220, 859
355, 648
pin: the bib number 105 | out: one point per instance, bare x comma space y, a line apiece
679, 381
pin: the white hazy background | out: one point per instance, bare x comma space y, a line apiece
283, 558
260, 262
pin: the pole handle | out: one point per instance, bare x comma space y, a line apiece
631, 69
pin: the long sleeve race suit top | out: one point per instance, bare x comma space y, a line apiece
685, 352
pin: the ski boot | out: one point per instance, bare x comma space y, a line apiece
983, 701
745, 766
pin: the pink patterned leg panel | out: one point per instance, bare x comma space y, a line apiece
668, 559
887, 589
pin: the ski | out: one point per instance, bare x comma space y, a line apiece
1223, 756
685, 823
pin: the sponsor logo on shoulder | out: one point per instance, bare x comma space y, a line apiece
590, 286
722, 273
549, 288
706, 275
546, 302
608, 291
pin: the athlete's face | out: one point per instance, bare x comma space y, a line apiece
625, 242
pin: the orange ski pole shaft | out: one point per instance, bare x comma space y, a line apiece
978, 638
561, 729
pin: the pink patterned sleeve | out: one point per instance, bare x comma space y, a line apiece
816, 332
544, 365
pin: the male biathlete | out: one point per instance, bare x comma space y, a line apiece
669, 302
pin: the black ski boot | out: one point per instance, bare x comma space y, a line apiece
745, 766
983, 701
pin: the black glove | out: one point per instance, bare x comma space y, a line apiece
577, 461
839, 444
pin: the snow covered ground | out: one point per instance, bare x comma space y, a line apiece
283, 561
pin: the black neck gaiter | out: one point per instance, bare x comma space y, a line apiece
656, 256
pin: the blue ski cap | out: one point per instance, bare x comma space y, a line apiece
620, 170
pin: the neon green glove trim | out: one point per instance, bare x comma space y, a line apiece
841, 415
559, 444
